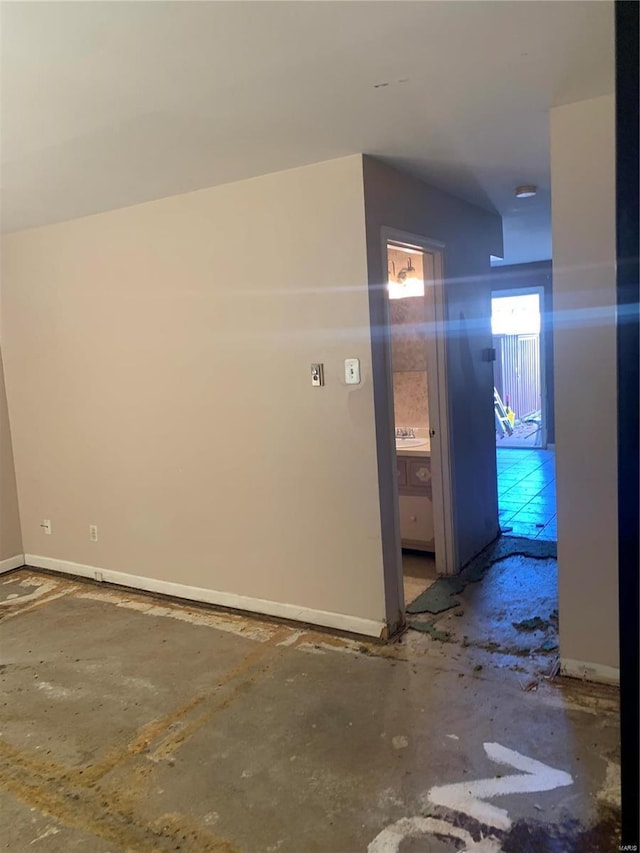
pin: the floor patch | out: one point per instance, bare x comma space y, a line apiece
438, 598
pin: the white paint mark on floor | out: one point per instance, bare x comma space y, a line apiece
453, 737
50, 830
292, 638
388, 799
42, 588
400, 742
390, 839
468, 797
46, 599
55, 691
346, 646
133, 682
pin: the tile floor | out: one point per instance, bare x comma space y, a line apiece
527, 493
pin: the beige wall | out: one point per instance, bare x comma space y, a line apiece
583, 208
10, 537
470, 234
158, 372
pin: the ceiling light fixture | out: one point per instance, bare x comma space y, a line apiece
526, 191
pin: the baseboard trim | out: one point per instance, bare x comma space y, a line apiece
590, 671
322, 618
11, 563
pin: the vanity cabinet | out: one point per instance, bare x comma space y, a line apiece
416, 508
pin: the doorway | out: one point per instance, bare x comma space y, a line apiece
416, 364
519, 371
526, 469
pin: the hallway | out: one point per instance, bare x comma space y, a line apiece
527, 493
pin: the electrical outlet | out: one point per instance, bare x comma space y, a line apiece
93, 532
46, 526
99, 577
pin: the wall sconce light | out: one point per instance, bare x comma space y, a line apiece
407, 282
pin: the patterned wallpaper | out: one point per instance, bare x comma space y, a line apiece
407, 341
409, 360
411, 404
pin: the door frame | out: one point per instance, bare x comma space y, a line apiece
443, 511
524, 291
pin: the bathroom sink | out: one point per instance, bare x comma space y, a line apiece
401, 443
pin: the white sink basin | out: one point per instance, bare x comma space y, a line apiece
409, 442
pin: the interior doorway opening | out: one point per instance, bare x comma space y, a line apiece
518, 372
526, 468
412, 329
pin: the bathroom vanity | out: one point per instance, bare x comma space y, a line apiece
415, 496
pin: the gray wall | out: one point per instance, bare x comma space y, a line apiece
470, 234
538, 274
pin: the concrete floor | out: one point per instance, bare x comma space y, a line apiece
133, 723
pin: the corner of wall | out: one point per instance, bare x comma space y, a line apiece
11, 551
585, 369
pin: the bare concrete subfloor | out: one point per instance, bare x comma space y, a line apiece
132, 723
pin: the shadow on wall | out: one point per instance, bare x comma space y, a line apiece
468, 432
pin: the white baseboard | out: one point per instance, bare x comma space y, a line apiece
11, 563
323, 618
590, 671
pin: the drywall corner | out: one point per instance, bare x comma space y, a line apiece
10, 533
470, 235
584, 246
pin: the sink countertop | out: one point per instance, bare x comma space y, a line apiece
423, 450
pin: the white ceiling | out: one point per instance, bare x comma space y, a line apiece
107, 104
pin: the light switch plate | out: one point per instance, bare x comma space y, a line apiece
352, 371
